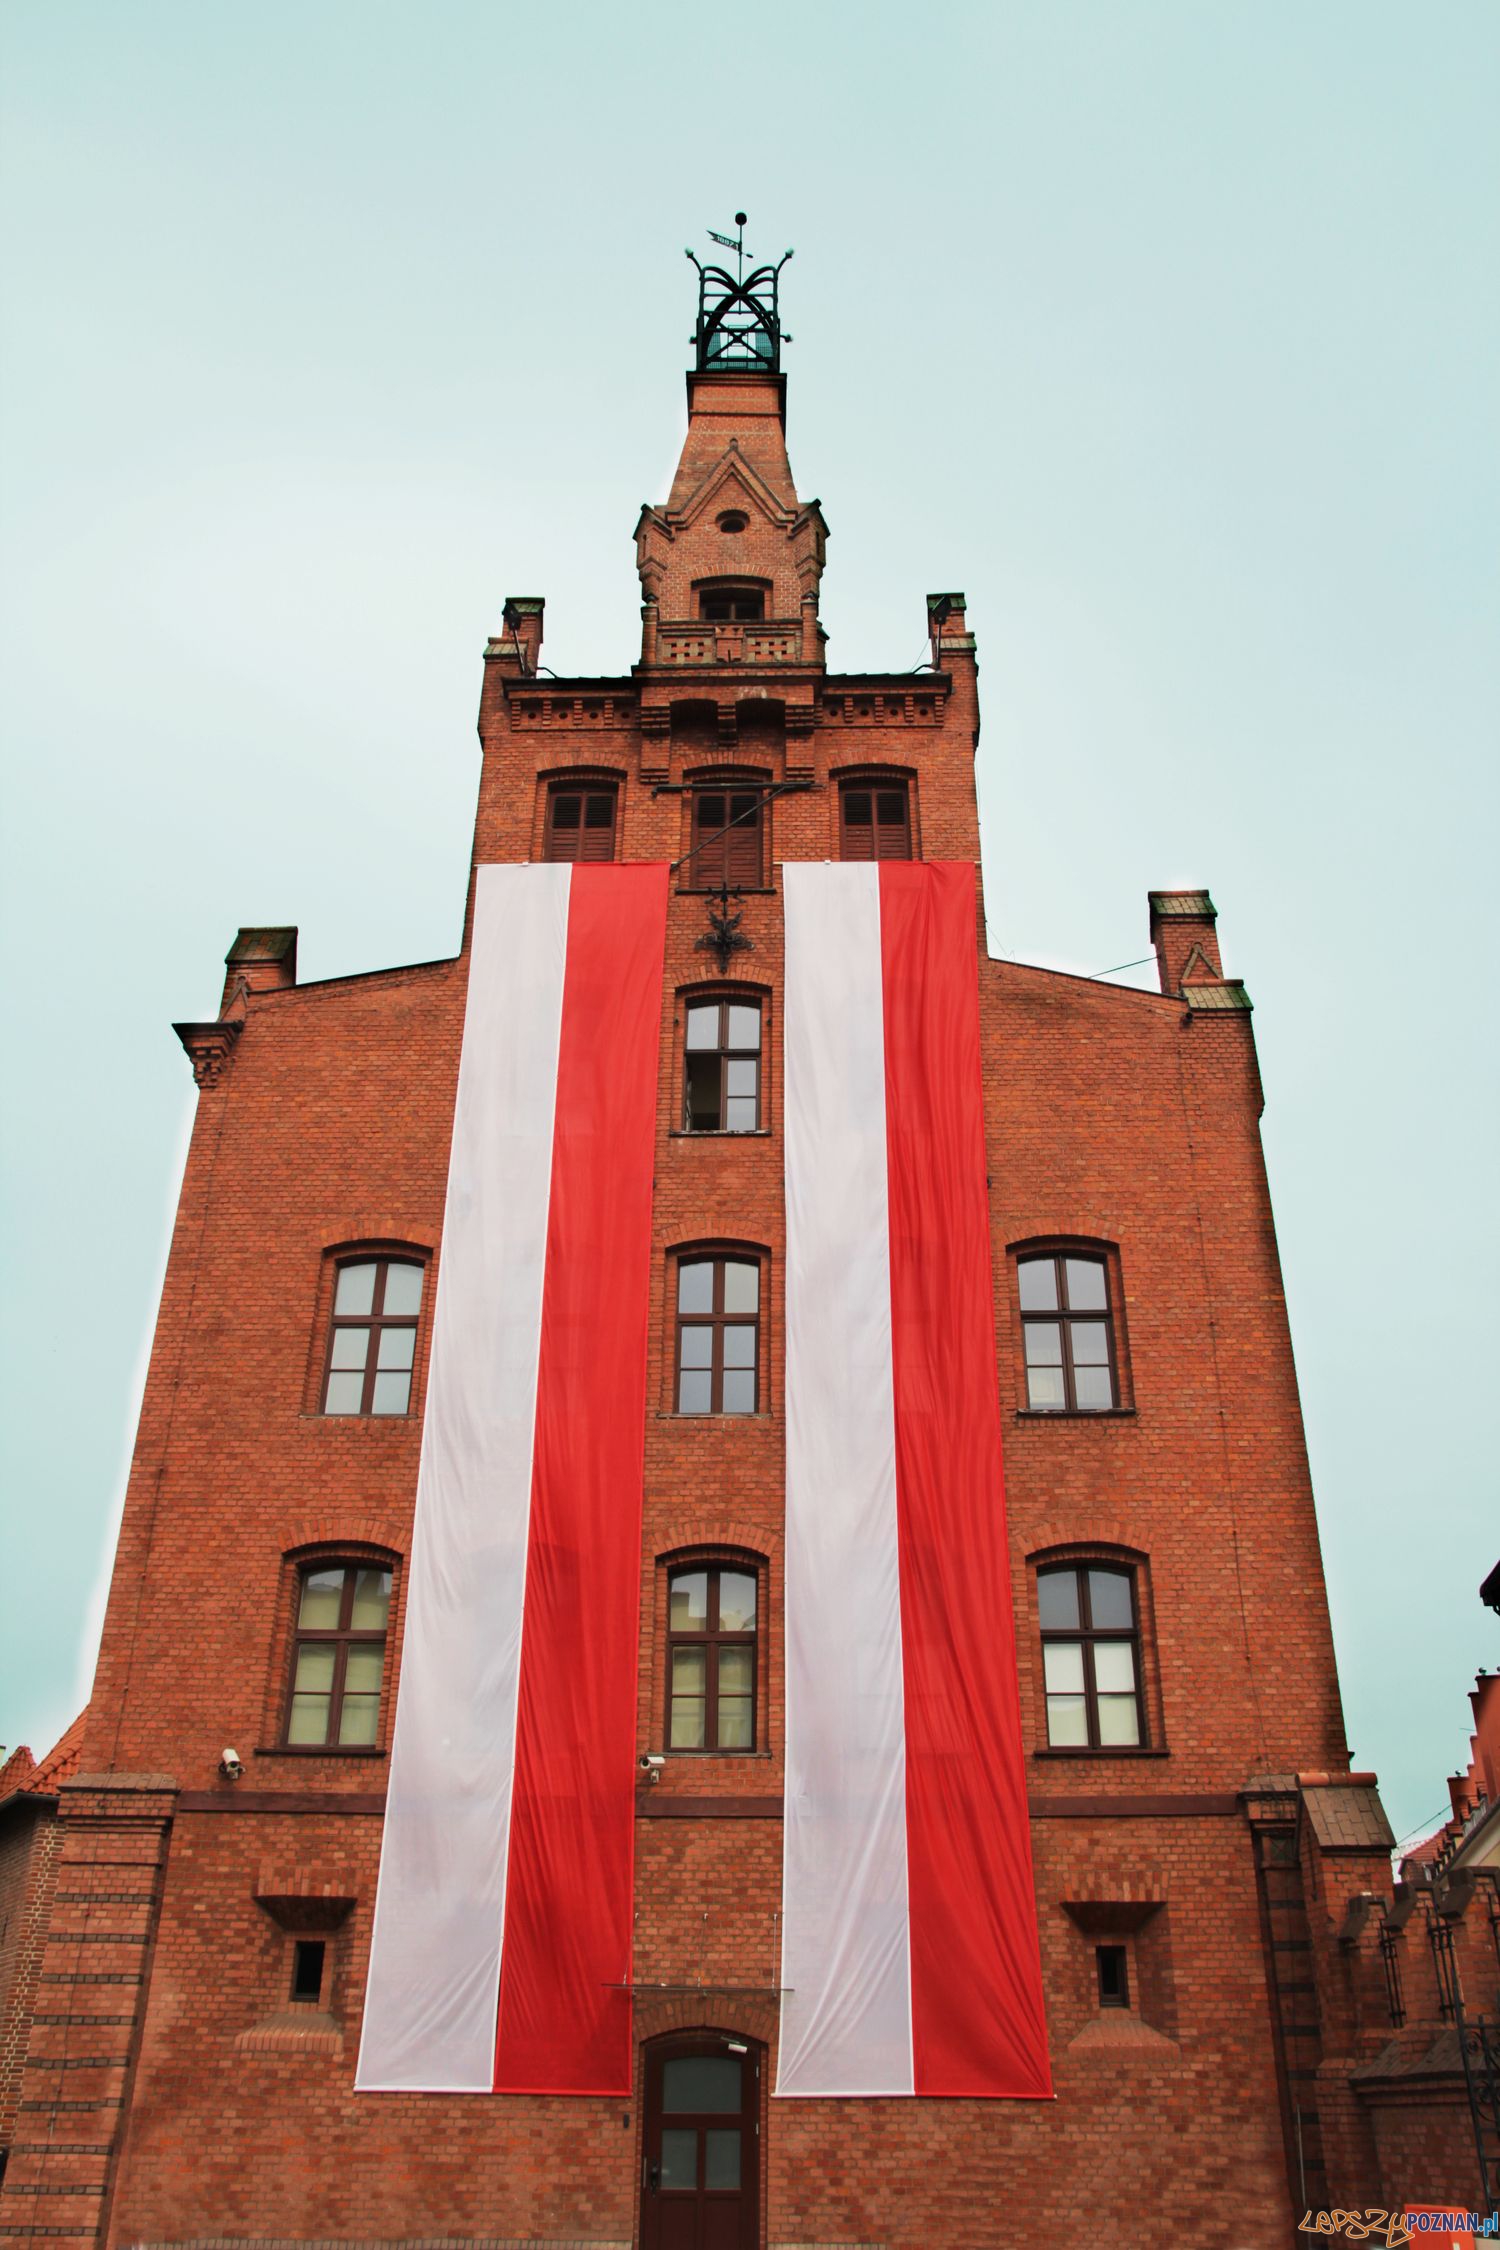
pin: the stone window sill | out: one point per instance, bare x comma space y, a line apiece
339, 1751
1083, 1750
1055, 1414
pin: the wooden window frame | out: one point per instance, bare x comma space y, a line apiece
875, 784
582, 786
712, 592
718, 1255
712, 1639
1087, 1635
374, 1321
734, 997
1057, 1256
341, 1637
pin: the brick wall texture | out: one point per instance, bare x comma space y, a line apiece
173, 2094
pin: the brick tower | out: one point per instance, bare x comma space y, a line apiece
1194, 1826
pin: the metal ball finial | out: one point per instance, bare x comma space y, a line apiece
739, 218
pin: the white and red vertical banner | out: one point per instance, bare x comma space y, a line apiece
500, 1954
909, 1947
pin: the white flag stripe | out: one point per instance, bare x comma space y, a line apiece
433, 1986
846, 1973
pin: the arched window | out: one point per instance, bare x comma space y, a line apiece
1068, 1329
874, 817
722, 1063
718, 1332
1089, 1612
338, 1655
581, 820
712, 1653
372, 1338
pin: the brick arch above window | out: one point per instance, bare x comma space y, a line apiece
741, 2018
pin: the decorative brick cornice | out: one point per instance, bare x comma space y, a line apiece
209, 1046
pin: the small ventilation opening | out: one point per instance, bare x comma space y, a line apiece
734, 519
307, 1969
1114, 1979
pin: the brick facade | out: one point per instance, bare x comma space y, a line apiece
173, 2093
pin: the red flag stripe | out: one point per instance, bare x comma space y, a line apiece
562, 2028
978, 2025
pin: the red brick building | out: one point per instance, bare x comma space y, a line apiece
191, 2031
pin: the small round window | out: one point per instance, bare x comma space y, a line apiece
734, 519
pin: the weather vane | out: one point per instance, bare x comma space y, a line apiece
736, 243
739, 321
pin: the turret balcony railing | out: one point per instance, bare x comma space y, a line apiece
694, 641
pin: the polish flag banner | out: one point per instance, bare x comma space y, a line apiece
500, 1956
909, 1942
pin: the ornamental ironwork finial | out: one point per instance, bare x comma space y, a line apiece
723, 936
739, 319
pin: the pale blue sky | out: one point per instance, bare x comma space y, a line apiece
1167, 331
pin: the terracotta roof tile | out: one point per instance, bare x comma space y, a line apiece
22, 1776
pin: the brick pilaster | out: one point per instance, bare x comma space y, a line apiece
90, 2000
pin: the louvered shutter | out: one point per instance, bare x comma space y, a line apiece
580, 825
727, 839
875, 821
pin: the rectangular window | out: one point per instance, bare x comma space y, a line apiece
1090, 1657
1114, 1976
581, 822
338, 1660
874, 820
727, 832
718, 1335
307, 1969
721, 1052
1068, 1333
729, 604
711, 1655
373, 1340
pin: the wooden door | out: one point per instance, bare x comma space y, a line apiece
700, 2177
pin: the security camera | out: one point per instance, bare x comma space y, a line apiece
230, 1767
651, 1763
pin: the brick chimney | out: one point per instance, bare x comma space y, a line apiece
1183, 933
518, 646
262, 960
